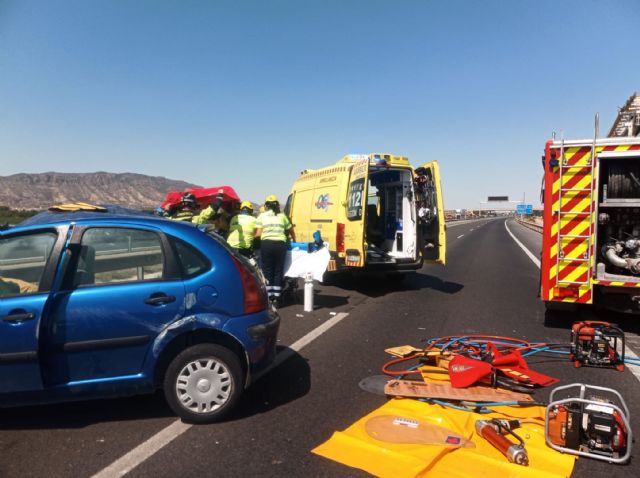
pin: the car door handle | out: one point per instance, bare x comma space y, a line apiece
160, 299
19, 317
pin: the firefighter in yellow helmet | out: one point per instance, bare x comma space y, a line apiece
242, 230
273, 228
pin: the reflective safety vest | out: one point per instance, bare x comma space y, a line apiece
191, 216
242, 231
185, 215
274, 226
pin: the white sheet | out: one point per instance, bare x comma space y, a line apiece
298, 263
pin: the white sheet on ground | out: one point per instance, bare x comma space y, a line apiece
298, 263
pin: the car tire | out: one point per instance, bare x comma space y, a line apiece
203, 383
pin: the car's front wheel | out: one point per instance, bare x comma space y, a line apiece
203, 383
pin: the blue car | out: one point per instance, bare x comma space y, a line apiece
107, 304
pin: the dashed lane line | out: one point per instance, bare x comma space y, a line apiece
145, 450
461, 235
634, 369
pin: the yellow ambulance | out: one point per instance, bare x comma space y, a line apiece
376, 212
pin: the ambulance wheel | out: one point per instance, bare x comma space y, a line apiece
203, 383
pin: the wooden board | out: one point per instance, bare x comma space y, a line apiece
395, 429
414, 388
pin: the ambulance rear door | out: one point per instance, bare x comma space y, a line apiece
352, 231
431, 222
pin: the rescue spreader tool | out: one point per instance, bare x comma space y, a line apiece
494, 432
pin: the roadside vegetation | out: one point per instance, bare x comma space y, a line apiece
14, 216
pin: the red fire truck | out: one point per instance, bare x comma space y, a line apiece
591, 236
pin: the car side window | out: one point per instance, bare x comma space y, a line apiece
22, 262
119, 255
192, 262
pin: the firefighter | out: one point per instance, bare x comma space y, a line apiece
189, 207
242, 230
273, 228
185, 210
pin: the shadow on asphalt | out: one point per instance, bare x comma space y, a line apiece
322, 299
377, 285
563, 319
291, 381
286, 383
75, 415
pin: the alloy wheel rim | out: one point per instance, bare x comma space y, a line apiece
204, 385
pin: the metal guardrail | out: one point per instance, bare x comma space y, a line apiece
529, 225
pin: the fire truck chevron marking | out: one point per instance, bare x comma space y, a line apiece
571, 213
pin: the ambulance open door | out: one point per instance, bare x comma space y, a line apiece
353, 231
431, 225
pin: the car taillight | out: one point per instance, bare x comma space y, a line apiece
254, 298
340, 237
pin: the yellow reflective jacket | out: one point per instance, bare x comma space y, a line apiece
242, 230
189, 215
274, 226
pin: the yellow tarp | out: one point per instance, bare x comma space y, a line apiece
77, 206
354, 447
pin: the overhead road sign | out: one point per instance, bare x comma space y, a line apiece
498, 199
524, 209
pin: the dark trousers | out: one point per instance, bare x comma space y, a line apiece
272, 256
248, 253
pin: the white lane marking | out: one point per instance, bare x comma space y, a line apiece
634, 369
535, 260
128, 462
461, 235
470, 230
303, 342
135, 457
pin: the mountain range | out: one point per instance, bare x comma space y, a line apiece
39, 191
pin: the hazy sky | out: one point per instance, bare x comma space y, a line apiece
250, 93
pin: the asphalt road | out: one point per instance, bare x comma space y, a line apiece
488, 286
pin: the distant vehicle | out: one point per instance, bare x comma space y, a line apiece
376, 211
96, 305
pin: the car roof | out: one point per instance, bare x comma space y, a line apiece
113, 214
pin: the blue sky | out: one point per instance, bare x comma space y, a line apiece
250, 93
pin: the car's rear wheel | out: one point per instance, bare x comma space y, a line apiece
203, 383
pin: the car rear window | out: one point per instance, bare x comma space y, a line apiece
192, 262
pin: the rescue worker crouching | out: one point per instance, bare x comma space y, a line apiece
273, 228
242, 230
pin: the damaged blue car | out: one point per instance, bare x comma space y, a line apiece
114, 303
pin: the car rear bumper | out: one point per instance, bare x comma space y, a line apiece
258, 334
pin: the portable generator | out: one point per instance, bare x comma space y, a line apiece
592, 426
595, 344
